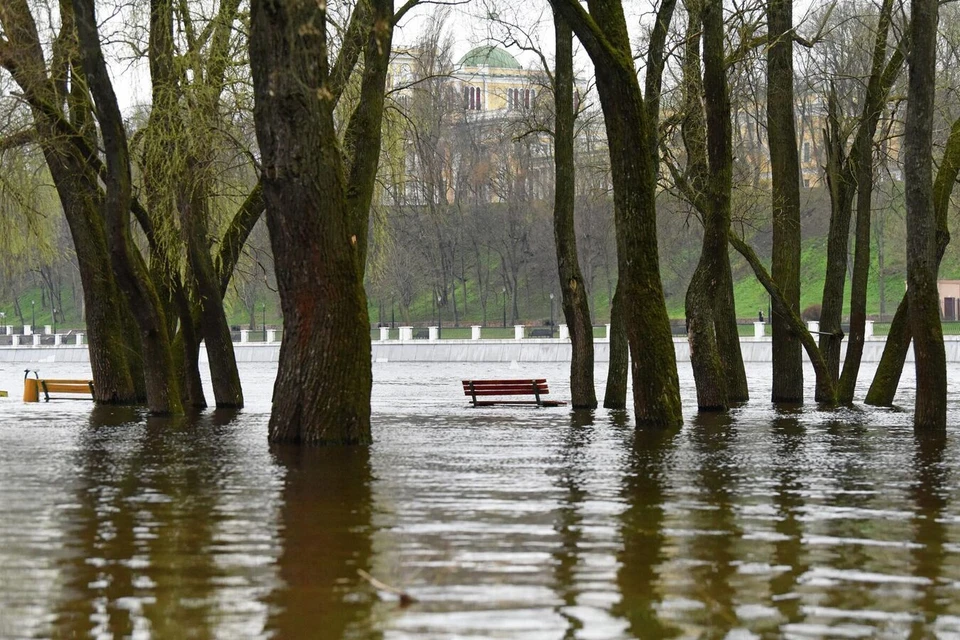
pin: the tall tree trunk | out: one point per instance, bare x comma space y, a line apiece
930, 413
862, 158
163, 395
708, 306
887, 378
840, 180
785, 177
615, 395
573, 292
656, 388
322, 392
68, 156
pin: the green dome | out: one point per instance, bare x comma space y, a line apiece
489, 56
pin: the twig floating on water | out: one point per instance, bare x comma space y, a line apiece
405, 598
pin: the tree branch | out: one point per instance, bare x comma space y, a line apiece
237, 233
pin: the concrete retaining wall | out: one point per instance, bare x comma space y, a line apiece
528, 350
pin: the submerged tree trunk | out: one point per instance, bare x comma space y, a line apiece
842, 189
656, 388
882, 75
930, 413
785, 176
573, 292
67, 154
322, 392
618, 366
709, 309
701, 335
887, 378
163, 390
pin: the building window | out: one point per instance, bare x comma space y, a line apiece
471, 99
806, 152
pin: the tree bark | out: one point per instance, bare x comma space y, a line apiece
603, 32
322, 392
573, 291
930, 413
785, 177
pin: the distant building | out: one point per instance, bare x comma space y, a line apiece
949, 299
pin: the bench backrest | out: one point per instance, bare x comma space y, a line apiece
65, 386
529, 387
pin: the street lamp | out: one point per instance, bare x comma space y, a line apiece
54, 322
439, 319
504, 292
33, 315
263, 318
551, 315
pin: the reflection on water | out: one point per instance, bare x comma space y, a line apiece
324, 532
502, 522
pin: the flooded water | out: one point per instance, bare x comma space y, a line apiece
500, 522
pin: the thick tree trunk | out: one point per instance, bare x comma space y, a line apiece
706, 182
785, 177
615, 395
573, 292
322, 392
930, 413
887, 378
113, 382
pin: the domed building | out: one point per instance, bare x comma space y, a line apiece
493, 80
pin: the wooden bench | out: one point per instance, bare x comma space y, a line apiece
541, 333
421, 334
536, 388
47, 386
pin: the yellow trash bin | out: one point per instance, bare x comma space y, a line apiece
31, 390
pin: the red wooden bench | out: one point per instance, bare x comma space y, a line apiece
535, 388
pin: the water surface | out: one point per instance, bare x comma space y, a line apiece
501, 522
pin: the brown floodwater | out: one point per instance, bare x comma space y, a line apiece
500, 522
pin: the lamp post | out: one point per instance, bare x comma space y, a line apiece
33, 315
504, 292
263, 319
54, 322
551, 315
439, 319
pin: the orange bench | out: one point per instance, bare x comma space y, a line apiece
485, 388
